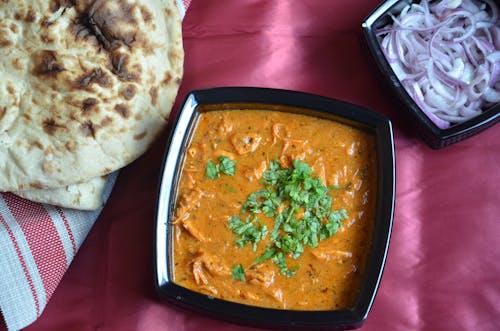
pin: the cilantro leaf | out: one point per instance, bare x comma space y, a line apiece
212, 170
225, 165
268, 254
238, 272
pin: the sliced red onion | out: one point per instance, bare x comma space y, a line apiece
446, 54
417, 94
492, 95
495, 34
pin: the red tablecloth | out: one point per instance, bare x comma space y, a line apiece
443, 267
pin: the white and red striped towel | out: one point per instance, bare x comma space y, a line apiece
37, 244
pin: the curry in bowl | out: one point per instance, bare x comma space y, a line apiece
268, 209
275, 209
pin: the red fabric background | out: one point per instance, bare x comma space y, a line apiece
443, 270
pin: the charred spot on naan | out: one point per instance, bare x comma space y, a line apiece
97, 76
5, 41
108, 24
106, 121
36, 185
153, 92
147, 16
36, 144
174, 56
50, 126
120, 67
16, 63
88, 129
26, 117
11, 90
141, 135
166, 79
122, 110
45, 64
28, 16
3, 111
70, 146
129, 92
13, 27
88, 105
46, 38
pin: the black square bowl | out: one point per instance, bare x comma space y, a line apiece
180, 130
434, 136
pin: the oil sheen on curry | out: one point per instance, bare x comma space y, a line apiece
275, 209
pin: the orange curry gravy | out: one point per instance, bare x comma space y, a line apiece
205, 251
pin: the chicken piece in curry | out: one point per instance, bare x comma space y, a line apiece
275, 209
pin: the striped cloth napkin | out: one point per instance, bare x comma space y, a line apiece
37, 244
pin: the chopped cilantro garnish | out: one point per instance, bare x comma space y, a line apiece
249, 231
268, 254
225, 165
302, 212
212, 170
238, 272
280, 261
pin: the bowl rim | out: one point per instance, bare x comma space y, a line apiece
252, 315
486, 119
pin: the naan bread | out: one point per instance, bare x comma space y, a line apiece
86, 86
84, 196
